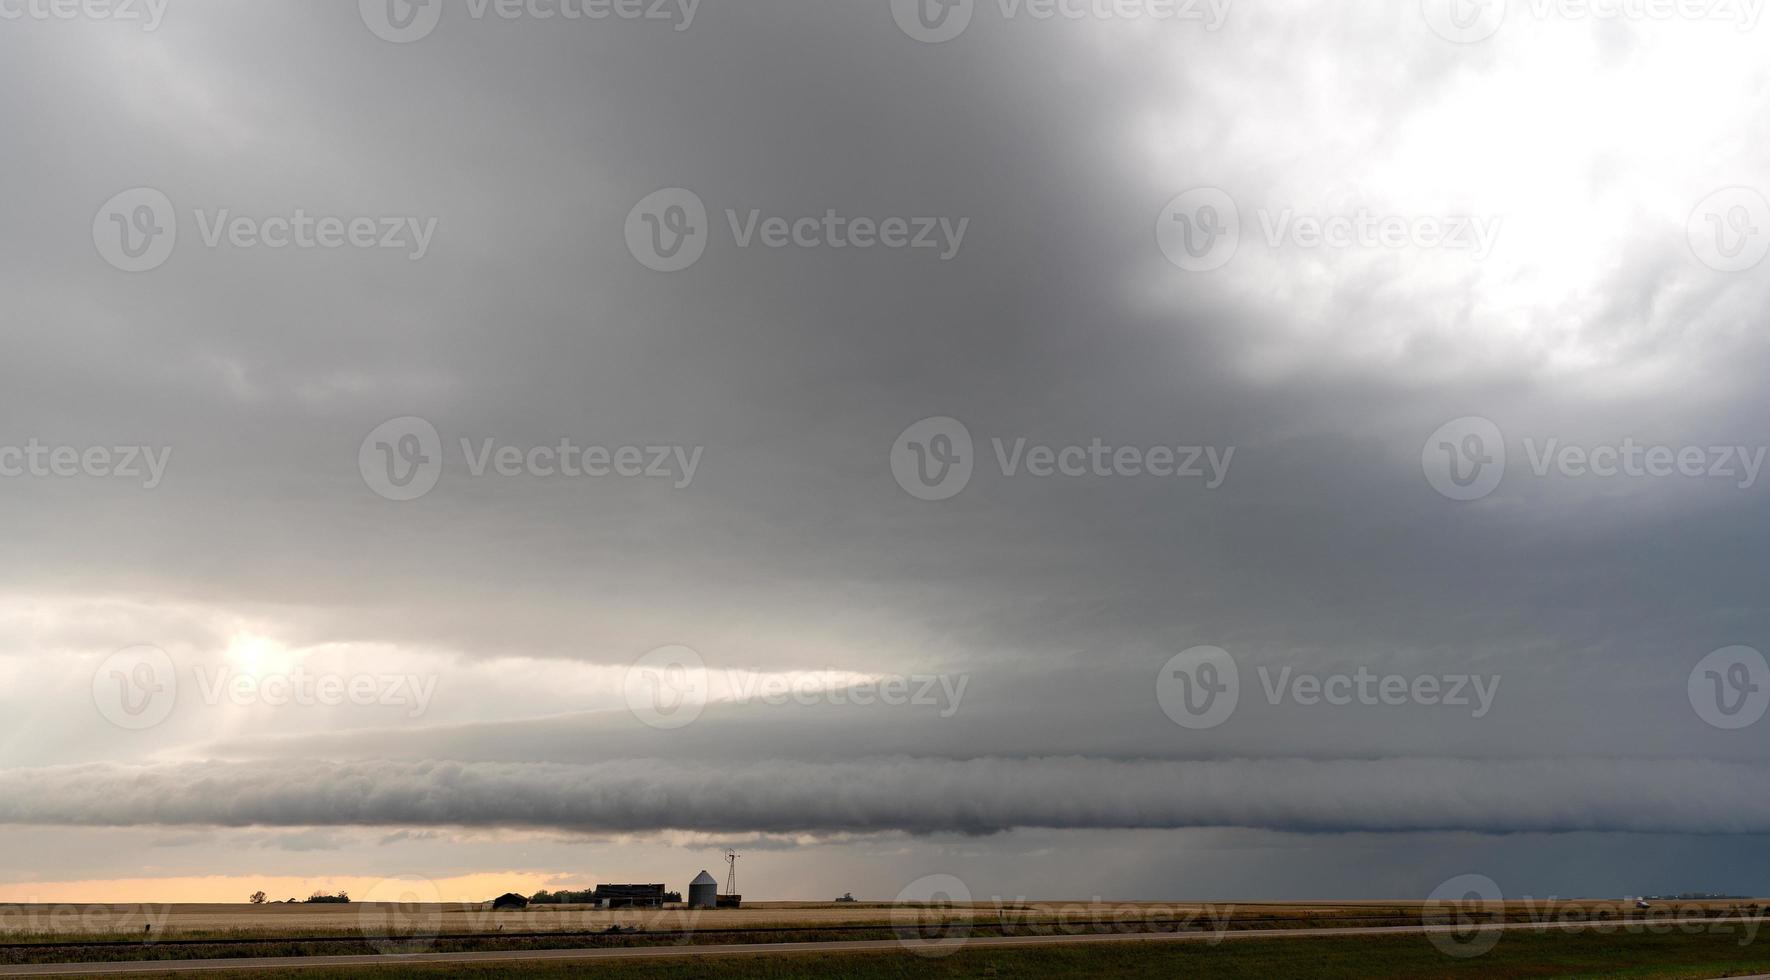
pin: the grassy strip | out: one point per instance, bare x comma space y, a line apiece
1519, 955
242, 943
280, 946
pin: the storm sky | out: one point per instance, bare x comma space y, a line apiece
1337, 261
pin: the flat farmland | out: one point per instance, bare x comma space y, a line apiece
35, 923
22, 922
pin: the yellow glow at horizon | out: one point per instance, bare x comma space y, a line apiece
476, 887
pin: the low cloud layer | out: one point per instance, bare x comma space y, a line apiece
976, 796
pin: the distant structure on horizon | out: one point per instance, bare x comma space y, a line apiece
628, 896
731, 899
703, 891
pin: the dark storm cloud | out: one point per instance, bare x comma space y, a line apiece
977, 796
1059, 321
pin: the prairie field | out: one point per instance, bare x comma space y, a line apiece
27, 923
1526, 956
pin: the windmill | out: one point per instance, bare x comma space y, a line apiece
731, 874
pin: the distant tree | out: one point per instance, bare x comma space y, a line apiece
564, 896
257, 898
321, 898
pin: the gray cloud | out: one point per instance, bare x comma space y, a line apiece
1059, 321
922, 796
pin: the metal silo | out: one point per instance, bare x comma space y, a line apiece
703, 892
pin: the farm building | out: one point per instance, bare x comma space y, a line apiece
628, 896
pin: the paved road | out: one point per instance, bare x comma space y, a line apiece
742, 949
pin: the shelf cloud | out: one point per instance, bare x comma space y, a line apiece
975, 796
